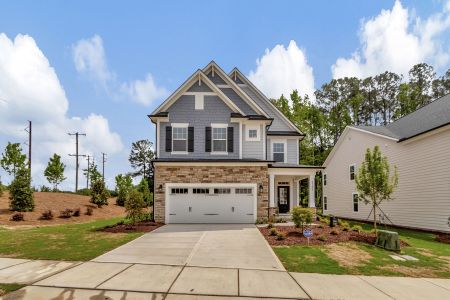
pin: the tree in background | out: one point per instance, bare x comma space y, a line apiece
99, 194
374, 181
20, 193
13, 159
145, 191
2, 188
124, 185
55, 171
140, 156
93, 173
134, 206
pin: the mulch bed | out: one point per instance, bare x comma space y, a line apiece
443, 238
145, 226
294, 236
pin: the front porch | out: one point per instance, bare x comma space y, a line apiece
284, 187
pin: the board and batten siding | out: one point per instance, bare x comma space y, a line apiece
422, 198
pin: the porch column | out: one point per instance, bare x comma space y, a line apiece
297, 182
311, 194
271, 190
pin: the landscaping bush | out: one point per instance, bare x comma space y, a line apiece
66, 213
21, 195
47, 215
145, 191
322, 238
343, 223
44, 188
320, 226
84, 192
270, 225
280, 236
280, 220
261, 221
76, 212
124, 184
346, 228
99, 194
334, 232
146, 216
17, 217
301, 216
273, 232
112, 193
356, 228
89, 211
134, 206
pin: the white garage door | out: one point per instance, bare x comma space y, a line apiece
211, 203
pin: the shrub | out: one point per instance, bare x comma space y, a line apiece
301, 216
146, 216
346, 228
112, 193
84, 192
334, 232
21, 195
280, 220
343, 223
280, 236
17, 217
145, 191
320, 226
44, 188
89, 211
47, 215
99, 194
322, 238
134, 206
261, 221
124, 184
270, 225
273, 232
66, 213
356, 228
76, 212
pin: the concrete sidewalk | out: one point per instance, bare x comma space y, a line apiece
150, 281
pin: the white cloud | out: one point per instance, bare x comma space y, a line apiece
90, 59
31, 90
395, 40
281, 70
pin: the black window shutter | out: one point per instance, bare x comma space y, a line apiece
230, 139
191, 139
207, 139
169, 139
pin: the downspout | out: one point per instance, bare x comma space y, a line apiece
153, 173
268, 200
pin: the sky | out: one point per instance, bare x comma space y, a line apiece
99, 67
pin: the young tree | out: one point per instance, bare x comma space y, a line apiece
13, 159
93, 173
55, 171
2, 188
374, 181
134, 206
140, 157
145, 191
124, 184
99, 194
20, 193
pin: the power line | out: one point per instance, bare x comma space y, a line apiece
76, 134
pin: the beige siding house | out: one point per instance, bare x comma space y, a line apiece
419, 145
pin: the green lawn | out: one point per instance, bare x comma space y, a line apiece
434, 257
9, 287
78, 242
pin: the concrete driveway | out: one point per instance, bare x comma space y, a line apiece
239, 246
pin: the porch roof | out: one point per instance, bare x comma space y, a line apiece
294, 166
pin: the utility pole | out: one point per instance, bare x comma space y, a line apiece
103, 165
28, 129
88, 171
76, 134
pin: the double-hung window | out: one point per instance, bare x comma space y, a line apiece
219, 139
179, 139
352, 172
278, 152
355, 202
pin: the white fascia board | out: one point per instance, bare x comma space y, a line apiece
210, 164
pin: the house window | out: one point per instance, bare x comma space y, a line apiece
278, 152
325, 203
352, 172
200, 191
245, 191
179, 139
253, 133
179, 191
219, 137
355, 202
222, 191
324, 179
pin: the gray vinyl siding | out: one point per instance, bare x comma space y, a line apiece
199, 88
291, 150
216, 79
252, 149
238, 80
278, 124
233, 96
183, 111
422, 198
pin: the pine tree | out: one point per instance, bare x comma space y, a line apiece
99, 194
55, 171
20, 193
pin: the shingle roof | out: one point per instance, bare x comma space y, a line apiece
431, 116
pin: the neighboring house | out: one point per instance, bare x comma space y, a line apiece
419, 145
225, 153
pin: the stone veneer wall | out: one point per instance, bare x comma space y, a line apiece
211, 174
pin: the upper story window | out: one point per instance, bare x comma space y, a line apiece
352, 172
278, 152
355, 202
179, 139
252, 133
324, 179
219, 139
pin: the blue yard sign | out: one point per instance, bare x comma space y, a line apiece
307, 233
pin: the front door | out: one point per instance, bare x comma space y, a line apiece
283, 199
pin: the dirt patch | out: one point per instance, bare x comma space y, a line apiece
443, 238
2, 292
139, 227
347, 254
411, 271
56, 202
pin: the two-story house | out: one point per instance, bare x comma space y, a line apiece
225, 153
